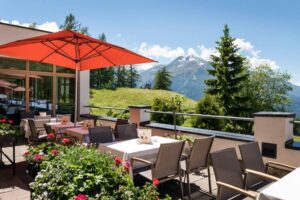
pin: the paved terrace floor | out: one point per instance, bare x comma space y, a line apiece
17, 187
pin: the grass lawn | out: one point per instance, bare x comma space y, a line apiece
296, 138
124, 97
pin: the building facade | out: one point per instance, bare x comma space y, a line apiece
32, 86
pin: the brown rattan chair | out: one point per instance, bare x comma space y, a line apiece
36, 133
197, 160
101, 135
252, 159
229, 175
167, 165
127, 131
119, 122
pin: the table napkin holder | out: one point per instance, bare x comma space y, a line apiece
144, 136
88, 124
65, 119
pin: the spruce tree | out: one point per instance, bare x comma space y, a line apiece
229, 73
132, 76
162, 79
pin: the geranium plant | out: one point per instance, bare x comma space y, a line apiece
77, 172
6, 127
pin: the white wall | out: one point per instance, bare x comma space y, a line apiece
84, 85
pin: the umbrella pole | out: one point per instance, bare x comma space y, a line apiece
76, 95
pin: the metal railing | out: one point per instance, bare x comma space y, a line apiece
174, 114
108, 108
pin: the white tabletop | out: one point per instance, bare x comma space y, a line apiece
132, 148
287, 188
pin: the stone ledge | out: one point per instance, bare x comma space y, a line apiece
275, 114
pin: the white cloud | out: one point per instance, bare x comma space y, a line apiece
166, 54
4, 21
246, 46
157, 51
47, 26
205, 53
255, 62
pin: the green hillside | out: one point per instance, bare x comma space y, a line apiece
124, 97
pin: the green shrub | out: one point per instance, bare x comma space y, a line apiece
175, 104
210, 106
78, 172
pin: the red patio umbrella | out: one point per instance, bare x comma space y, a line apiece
72, 50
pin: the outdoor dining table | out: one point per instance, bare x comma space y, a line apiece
59, 128
287, 188
79, 132
132, 148
39, 123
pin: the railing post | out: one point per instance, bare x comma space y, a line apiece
138, 115
174, 123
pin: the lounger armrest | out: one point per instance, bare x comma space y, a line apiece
263, 175
239, 190
277, 164
135, 159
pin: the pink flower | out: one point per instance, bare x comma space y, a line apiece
10, 121
38, 157
3, 120
155, 182
65, 140
80, 197
51, 135
26, 154
54, 152
126, 167
118, 160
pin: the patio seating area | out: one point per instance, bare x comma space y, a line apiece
18, 186
170, 161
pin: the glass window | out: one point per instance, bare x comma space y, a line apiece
60, 69
42, 67
12, 95
65, 95
40, 93
10, 63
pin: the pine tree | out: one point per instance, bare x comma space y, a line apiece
229, 72
162, 79
72, 24
132, 77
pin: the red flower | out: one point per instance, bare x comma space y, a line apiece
65, 140
3, 120
38, 157
126, 167
54, 152
26, 154
118, 160
10, 121
80, 197
155, 182
51, 135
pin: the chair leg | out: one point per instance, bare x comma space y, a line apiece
189, 186
209, 179
181, 186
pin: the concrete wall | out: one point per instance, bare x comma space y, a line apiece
84, 91
9, 33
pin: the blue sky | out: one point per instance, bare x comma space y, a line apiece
268, 30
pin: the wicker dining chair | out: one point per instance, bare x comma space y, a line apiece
119, 122
198, 159
102, 134
127, 131
252, 159
229, 175
167, 165
36, 135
